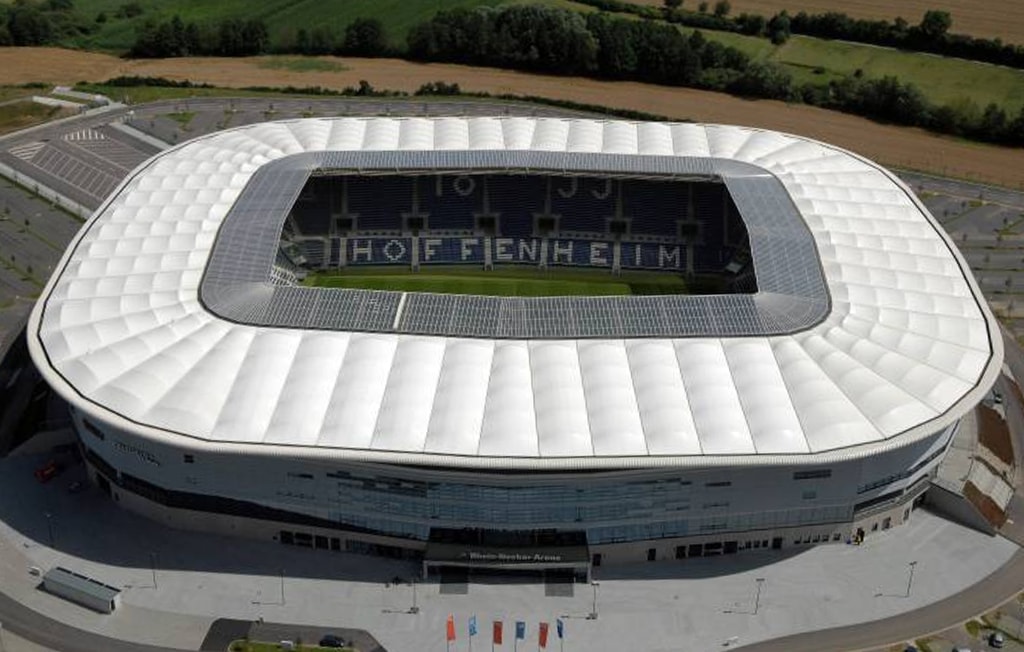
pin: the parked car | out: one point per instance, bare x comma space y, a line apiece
48, 471
331, 640
996, 640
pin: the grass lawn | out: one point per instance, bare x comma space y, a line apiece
182, 117
942, 80
13, 92
19, 115
503, 281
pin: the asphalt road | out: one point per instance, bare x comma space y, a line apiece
991, 591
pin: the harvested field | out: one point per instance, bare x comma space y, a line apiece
56, 66
895, 146
985, 18
994, 434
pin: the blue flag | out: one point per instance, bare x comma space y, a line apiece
521, 630
472, 625
560, 626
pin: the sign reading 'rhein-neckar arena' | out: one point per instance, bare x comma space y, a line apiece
507, 251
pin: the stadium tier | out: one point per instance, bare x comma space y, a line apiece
212, 389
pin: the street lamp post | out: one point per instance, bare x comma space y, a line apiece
282, 586
3, 646
152, 566
415, 609
757, 595
49, 526
593, 608
910, 579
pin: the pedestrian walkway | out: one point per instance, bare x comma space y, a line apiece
177, 583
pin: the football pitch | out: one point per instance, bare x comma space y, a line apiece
502, 281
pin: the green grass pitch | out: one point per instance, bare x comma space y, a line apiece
502, 282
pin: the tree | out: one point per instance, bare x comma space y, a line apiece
779, 28
992, 125
255, 37
722, 8
703, 7
935, 24
29, 26
129, 10
616, 58
764, 80
752, 24
365, 37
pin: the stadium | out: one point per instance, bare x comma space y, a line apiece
515, 342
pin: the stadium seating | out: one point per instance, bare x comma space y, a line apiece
654, 210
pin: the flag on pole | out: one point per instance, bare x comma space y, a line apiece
451, 628
520, 630
472, 625
560, 626
496, 638
542, 635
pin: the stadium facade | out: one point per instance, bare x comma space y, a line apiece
813, 399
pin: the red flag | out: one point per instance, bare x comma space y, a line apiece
451, 627
497, 632
543, 633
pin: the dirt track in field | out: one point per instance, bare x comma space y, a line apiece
896, 146
982, 18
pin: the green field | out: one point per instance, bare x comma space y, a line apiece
942, 80
502, 281
283, 17
21, 114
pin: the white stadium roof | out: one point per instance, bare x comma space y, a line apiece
907, 344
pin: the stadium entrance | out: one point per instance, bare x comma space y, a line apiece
509, 554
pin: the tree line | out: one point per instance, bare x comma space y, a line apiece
603, 45
238, 38
26, 23
932, 34
176, 38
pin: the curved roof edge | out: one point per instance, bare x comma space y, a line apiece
967, 401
